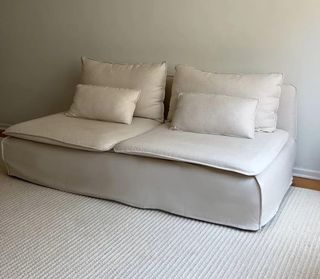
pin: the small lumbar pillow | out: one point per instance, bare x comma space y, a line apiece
266, 88
149, 78
215, 114
104, 103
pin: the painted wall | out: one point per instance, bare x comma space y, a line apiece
41, 42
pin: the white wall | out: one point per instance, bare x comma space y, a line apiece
42, 40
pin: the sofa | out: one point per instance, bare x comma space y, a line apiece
227, 180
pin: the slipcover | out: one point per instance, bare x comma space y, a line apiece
190, 190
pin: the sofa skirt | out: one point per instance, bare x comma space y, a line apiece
189, 190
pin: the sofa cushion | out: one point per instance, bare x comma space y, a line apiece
241, 155
266, 88
149, 78
104, 103
215, 114
59, 129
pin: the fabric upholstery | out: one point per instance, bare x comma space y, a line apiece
241, 155
287, 113
264, 87
215, 114
190, 190
59, 129
149, 78
104, 103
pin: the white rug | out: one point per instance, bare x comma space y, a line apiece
46, 233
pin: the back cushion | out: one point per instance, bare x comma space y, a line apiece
150, 79
266, 88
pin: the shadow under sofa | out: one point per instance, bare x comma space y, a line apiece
187, 189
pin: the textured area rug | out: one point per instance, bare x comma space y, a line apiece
45, 233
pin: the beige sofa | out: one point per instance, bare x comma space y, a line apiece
147, 167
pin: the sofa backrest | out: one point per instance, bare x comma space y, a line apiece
287, 113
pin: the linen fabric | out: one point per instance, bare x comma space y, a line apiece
104, 103
266, 88
215, 114
150, 79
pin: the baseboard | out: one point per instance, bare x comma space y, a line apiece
4, 126
306, 173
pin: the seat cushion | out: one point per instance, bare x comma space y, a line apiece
93, 135
241, 155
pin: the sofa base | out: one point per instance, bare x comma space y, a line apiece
204, 193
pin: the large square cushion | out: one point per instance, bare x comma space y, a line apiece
59, 129
266, 88
150, 79
240, 155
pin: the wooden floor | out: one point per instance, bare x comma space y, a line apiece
306, 183
297, 181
